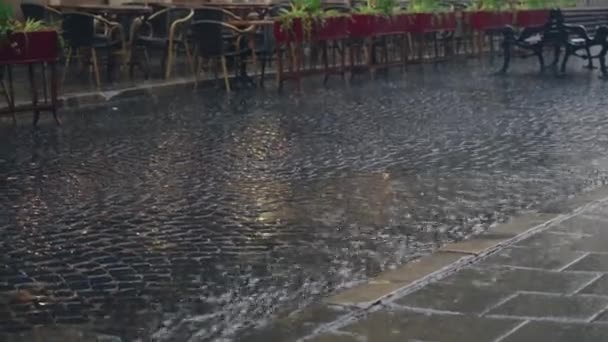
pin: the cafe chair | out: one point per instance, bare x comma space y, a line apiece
42, 13
166, 31
213, 13
85, 34
211, 44
265, 43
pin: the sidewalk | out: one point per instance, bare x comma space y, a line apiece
548, 282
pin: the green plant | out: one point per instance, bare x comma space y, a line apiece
6, 18
422, 6
539, 4
307, 11
378, 7
386, 7
534, 4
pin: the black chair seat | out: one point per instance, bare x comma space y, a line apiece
105, 44
155, 42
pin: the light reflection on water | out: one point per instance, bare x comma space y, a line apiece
211, 215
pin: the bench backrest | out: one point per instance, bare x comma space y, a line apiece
589, 17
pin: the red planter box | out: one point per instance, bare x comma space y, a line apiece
333, 28
489, 20
295, 33
430, 22
531, 17
30, 47
397, 24
447, 21
361, 25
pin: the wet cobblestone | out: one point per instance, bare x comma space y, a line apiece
196, 216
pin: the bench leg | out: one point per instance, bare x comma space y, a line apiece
589, 65
506, 46
508, 39
541, 59
602, 58
556, 52
565, 61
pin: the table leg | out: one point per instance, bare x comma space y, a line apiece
254, 56
54, 100
34, 91
11, 93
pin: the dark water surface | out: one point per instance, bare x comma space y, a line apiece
196, 215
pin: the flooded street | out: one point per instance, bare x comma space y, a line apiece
197, 216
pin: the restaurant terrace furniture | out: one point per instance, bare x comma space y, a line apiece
30, 49
85, 35
42, 13
165, 31
211, 44
589, 18
557, 34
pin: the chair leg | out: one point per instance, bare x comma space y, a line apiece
169, 62
197, 72
225, 72
189, 57
96, 67
147, 66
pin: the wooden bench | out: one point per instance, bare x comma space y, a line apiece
560, 35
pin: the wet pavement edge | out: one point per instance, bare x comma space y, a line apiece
449, 259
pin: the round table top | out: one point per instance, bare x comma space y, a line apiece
110, 9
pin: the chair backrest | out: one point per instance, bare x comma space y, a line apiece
33, 11
161, 21
78, 29
277, 9
40, 12
208, 13
207, 37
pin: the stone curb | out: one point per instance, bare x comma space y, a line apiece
452, 257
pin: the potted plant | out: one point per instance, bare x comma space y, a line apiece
293, 22
536, 12
363, 22
23, 42
331, 25
490, 15
430, 16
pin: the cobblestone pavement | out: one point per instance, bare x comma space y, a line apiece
552, 286
193, 217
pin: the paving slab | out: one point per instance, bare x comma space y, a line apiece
420, 268
592, 262
507, 279
602, 318
294, 326
551, 306
521, 223
476, 245
599, 287
365, 294
335, 338
548, 239
390, 281
447, 297
583, 225
399, 326
559, 332
542, 258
